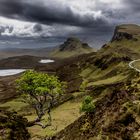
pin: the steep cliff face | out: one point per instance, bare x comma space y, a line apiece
121, 35
129, 32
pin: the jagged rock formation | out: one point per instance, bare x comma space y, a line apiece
72, 44
129, 31
72, 47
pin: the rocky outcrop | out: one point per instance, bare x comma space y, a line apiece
72, 44
70, 48
128, 31
121, 35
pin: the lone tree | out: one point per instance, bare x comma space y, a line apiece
40, 91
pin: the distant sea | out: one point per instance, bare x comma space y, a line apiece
29, 43
48, 42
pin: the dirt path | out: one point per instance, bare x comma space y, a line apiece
132, 66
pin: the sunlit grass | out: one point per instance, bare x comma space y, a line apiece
132, 45
14, 105
110, 80
62, 116
66, 54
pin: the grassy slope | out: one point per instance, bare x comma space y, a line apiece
137, 64
62, 116
108, 72
129, 28
102, 69
67, 54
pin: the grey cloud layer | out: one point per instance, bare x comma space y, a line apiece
47, 14
93, 19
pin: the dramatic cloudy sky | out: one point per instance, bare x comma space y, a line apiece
91, 20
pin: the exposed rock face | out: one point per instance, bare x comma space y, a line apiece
70, 48
128, 32
72, 44
121, 35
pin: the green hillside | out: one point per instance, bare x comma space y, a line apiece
114, 87
106, 76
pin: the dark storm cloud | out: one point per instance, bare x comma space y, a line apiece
49, 13
10, 8
37, 28
133, 4
99, 19
46, 14
2, 29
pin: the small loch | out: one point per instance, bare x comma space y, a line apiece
45, 61
9, 72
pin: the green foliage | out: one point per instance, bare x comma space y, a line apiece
38, 83
40, 91
87, 105
33, 86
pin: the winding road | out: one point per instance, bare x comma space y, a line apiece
132, 66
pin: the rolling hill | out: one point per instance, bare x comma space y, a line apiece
113, 85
